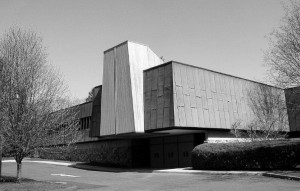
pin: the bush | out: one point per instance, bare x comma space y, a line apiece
105, 155
263, 155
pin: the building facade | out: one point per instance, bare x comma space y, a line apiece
158, 112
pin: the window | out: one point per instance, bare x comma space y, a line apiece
84, 123
185, 154
170, 155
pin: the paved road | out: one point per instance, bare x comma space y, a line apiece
148, 181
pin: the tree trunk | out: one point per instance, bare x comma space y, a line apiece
19, 171
0, 158
1, 149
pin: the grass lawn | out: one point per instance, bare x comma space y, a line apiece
10, 184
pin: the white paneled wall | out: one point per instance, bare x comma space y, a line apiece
122, 94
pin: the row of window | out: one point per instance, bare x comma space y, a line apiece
85, 123
57, 129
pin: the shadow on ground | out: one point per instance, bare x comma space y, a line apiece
11, 184
93, 167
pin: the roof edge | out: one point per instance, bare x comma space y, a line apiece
125, 42
176, 62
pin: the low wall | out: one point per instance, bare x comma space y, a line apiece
109, 152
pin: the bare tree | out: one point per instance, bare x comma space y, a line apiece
90, 96
1, 147
283, 55
269, 111
34, 109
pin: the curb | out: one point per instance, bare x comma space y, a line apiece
188, 171
42, 161
109, 169
173, 171
275, 175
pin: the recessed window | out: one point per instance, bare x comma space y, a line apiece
185, 154
84, 123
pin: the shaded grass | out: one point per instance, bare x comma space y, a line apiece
11, 184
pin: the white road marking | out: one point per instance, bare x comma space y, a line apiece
65, 175
60, 182
45, 162
8, 161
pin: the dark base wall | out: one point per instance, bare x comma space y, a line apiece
161, 152
122, 153
140, 153
294, 134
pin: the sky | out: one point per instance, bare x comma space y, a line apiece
227, 36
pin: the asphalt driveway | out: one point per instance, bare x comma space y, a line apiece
124, 180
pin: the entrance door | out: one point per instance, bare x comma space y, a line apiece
171, 155
185, 150
156, 153
174, 151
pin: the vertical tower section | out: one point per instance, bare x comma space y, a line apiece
107, 124
122, 107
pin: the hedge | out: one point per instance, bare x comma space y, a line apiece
263, 155
105, 155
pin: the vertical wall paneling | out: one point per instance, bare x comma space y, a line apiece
153, 116
186, 96
160, 97
184, 79
96, 114
207, 84
180, 96
141, 57
193, 98
216, 99
124, 91
182, 119
169, 107
200, 112
107, 126
201, 79
200, 98
176, 111
177, 75
168, 95
212, 81
147, 98
160, 105
160, 111
123, 95
188, 111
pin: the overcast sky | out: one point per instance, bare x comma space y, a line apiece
227, 36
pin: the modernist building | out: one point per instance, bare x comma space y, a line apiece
160, 111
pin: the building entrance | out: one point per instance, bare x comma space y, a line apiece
173, 151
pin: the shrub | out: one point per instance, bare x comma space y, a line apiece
263, 155
105, 155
